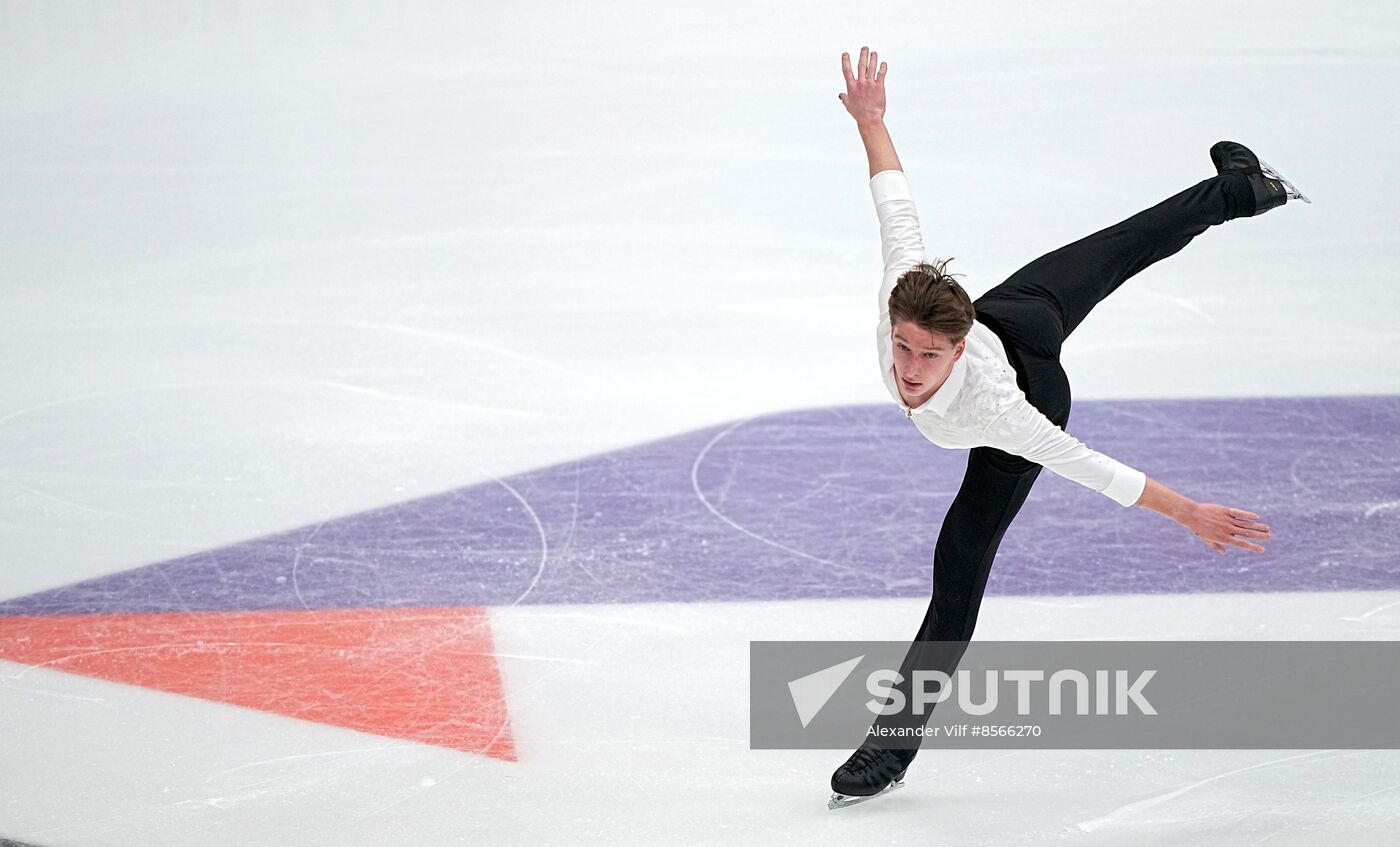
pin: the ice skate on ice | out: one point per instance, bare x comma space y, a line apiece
841, 801
871, 771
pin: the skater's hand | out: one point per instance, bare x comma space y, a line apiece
865, 89
1219, 526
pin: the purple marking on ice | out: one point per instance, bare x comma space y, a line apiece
842, 502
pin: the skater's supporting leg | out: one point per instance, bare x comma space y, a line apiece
994, 488
992, 492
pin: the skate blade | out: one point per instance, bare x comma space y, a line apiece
1293, 192
841, 801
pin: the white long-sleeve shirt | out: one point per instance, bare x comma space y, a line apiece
980, 403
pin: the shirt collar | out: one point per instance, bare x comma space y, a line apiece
948, 391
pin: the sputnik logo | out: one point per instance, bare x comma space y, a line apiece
811, 692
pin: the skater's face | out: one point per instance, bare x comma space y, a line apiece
922, 360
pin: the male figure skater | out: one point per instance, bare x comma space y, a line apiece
987, 376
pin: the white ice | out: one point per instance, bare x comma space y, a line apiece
262, 266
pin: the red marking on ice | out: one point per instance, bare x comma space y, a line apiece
427, 675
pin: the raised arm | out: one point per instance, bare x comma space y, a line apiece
865, 100
901, 243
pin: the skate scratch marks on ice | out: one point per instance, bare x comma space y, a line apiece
1124, 813
528, 657
620, 621
1184, 304
544, 540
296, 565
700, 495
1372, 612
301, 756
1381, 507
412, 398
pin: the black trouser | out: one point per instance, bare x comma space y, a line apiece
1033, 312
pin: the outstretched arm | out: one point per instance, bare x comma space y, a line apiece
865, 100
1025, 431
1213, 523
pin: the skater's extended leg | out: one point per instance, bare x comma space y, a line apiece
1042, 303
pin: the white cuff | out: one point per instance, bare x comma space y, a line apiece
1127, 485
889, 185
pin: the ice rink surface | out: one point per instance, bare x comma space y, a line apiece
411, 412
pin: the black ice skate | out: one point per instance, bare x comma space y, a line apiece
871, 771
1270, 188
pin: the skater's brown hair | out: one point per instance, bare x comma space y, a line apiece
927, 295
